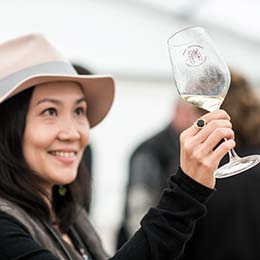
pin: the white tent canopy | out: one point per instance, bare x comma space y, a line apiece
128, 38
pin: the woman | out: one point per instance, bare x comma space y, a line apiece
46, 114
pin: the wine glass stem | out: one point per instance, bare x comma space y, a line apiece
232, 154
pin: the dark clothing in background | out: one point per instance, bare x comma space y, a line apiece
231, 228
163, 234
163, 158
150, 166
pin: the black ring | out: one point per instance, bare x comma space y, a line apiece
200, 123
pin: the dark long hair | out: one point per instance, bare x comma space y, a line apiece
19, 183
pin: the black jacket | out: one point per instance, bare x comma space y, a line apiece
163, 234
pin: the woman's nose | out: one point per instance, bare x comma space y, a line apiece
68, 133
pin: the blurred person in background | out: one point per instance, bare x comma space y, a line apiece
232, 226
150, 165
47, 111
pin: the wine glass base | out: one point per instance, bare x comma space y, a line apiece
237, 166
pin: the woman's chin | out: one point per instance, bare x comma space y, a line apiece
64, 180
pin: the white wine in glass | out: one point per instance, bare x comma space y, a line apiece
202, 78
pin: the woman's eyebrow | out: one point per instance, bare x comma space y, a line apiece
59, 102
52, 100
82, 99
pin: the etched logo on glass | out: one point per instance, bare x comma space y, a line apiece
194, 56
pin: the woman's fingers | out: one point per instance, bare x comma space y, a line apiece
216, 127
222, 149
213, 139
209, 136
200, 149
216, 115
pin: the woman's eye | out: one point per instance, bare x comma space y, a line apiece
50, 112
80, 111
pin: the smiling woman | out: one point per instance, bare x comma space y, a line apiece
47, 111
56, 132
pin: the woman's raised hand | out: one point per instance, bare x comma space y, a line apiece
202, 149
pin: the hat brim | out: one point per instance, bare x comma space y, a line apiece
98, 90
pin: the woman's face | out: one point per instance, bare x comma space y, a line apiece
56, 131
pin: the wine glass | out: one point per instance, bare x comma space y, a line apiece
202, 79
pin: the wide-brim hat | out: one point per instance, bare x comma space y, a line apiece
31, 60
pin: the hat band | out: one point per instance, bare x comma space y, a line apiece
49, 68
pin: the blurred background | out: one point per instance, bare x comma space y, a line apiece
128, 39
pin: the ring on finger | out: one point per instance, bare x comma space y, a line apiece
200, 123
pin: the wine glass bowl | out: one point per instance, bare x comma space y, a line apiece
200, 73
202, 78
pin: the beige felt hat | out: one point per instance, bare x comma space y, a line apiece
31, 60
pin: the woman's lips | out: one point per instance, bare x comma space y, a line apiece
64, 156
